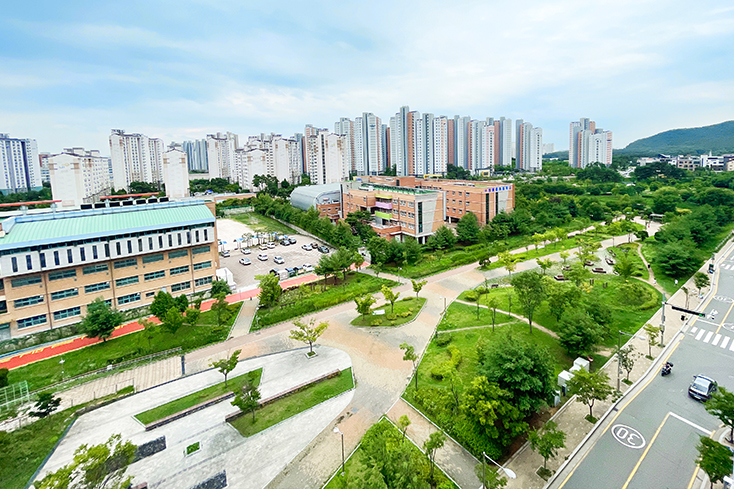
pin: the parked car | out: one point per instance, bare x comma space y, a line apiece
291, 272
264, 247
224, 253
315, 246
702, 388
271, 245
262, 257
245, 261
275, 271
292, 240
307, 247
279, 260
308, 268
284, 243
300, 270
323, 249
246, 251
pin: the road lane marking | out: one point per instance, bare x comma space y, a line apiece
731, 348
700, 333
628, 436
708, 336
694, 329
725, 316
693, 478
716, 339
691, 423
644, 454
725, 342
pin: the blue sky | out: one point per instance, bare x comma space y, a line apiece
71, 71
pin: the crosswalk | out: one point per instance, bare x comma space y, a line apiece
713, 338
727, 266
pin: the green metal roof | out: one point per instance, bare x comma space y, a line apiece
49, 228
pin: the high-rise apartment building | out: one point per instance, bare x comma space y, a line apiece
45, 177
325, 157
440, 146
78, 177
135, 158
20, 165
345, 127
461, 127
503, 131
176, 173
529, 146
196, 155
588, 144
220, 155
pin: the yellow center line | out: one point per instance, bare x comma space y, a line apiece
693, 477
644, 454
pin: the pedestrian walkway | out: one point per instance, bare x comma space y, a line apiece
243, 323
516, 316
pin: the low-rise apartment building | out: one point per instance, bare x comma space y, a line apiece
52, 264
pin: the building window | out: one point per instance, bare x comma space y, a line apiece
28, 262
149, 294
42, 256
61, 274
180, 287
63, 294
89, 289
179, 238
170, 241
127, 281
129, 246
28, 301
206, 237
197, 235
202, 281
179, 270
153, 258
34, 321
126, 299
140, 245
57, 262
83, 254
22, 282
107, 250
69, 257
95, 269
14, 262
67, 313
150, 243
94, 252
130, 262
118, 249
154, 275
177, 254
202, 265
160, 242
188, 237
200, 249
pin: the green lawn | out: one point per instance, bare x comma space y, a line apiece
284, 408
177, 405
634, 254
316, 297
262, 224
460, 315
116, 350
355, 466
405, 310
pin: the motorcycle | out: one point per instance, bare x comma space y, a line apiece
667, 368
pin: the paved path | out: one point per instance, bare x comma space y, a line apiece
243, 323
516, 316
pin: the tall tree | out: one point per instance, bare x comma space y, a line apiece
247, 399
410, 356
547, 441
627, 359
412, 251
162, 303
624, 266
221, 310
545, 264
418, 286
364, 304
45, 405
173, 320
492, 411
390, 296
652, 337
590, 387
721, 405
493, 303
430, 446
508, 261
530, 289
101, 320
219, 287
714, 458
578, 333
403, 423
308, 332
226, 365
270, 290
700, 280
467, 228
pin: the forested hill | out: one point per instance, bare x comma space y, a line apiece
718, 138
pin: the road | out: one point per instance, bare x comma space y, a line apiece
651, 440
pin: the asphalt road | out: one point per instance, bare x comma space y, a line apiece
651, 440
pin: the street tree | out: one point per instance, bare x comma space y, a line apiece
219, 287
412, 251
493, 479
308, 332
377, 268
270, 290
530, 289
701, 280
226, 365
721, 405
390, 296
150, 329
418, 286
430, 446
221, 310
545, 264
410, 356
192, 316
714, 459
364, 304
247, 399
627, 359
493, 303
537, 238
45, 405
590, 387
403, 423
508, 261
652, 333
101, 320
95, 467
358, 260
468, 229
578, 333
678, 259
547, 441
173, 320
442, 238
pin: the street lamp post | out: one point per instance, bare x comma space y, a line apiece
619, 359
662, 325
337, 430
507, 471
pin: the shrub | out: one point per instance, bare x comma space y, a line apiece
405, 314
391, 317
376, 322
443, 370
471, 296
443, 339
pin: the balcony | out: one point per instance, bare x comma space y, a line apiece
383, 215
384, 205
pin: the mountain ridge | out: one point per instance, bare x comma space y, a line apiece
717, 138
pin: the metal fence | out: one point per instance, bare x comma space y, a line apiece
14, 395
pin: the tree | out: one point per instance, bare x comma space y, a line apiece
4, 377
390, 296
700, 280
358, 260
508, 261
491, 410
578, 273
678, 259
590, 387
410, 356
564, 256
493, 303
652, 337
247, 400
480, 291
578, 333
101, 320
173, 320
162, 303
721, 405
219, 287
403, 423
430, 446
627, 359
624, 266
412, 251
270, 290
45, 405
537, 238
221, 310
468, 229
443, 238
377, 268
364, 304
714, 458
492, 477
560, 297
544, 264
547, 441
308, 332
95, 467
530, 289
182, 302
525, 371
192, 316
418, 286
226, 365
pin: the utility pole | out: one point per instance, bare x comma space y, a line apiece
662, 325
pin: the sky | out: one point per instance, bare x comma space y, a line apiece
71, 71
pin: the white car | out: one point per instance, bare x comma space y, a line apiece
307, 247
264, 247
262, 257
271, 245
308, 268
245, 261
246, 251
279, 260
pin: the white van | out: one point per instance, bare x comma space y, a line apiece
283, 274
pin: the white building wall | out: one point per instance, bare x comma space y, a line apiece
135, 158
535, 147
440, 145
488, 145
176, 174
419, 146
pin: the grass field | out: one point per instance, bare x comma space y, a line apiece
405, 309
460, 315
116, 350
234, 384
262, 224
284, 408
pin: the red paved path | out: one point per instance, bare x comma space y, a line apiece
65, 346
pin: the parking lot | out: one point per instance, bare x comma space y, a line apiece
293, 255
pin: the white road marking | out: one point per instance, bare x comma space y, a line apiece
700, 320
716, 340
628, 436
731, 348
691, 423
694, 329
700, 333
708, 337
725, 342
